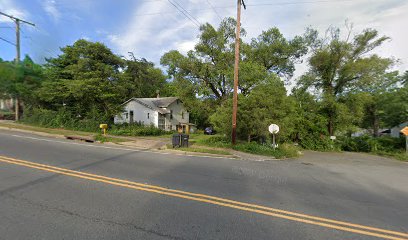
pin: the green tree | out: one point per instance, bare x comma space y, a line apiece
275, 53
308, 121
339, 66
20, 81
210, 66
267, 103
83, 80
141, 79
394, 106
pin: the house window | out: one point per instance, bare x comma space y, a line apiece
127, 115
182, 115
148, 115
171, 114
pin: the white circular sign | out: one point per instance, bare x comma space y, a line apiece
273, 128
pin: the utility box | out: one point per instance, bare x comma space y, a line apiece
184, 140
176, 140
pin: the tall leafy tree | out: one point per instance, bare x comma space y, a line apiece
141, 79
276, 53
338, 66
210, 66
20, 81
267, 103
84, 80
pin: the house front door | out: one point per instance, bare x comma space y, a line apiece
131, 115
162, 121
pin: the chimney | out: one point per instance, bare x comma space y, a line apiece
158, 93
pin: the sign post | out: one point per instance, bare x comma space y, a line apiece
405, 132
274, 129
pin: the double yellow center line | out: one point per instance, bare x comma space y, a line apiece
293, 216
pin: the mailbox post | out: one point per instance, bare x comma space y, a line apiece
103, 127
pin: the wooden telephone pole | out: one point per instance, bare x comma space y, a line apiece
17, 22
236, 70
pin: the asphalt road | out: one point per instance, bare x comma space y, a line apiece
295, 199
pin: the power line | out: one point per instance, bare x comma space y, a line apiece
295, 3
185, 14
7, 41
252, 5
212, 7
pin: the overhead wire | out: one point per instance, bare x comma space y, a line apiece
251, 5
186, 14
7, 41
195, 19
212, 7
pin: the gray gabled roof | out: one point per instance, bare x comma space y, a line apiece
156, 104
162, 102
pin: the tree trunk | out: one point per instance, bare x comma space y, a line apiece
376, 127
330, 125
249, 138
17, 109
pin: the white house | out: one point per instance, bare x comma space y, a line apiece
164, 113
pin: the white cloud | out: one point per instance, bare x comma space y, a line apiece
9, 7
51, 9
185, 46
151, 35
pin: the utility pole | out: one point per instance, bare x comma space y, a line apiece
17, 21
236, 69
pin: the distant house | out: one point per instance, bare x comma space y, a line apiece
395, 131
164, 113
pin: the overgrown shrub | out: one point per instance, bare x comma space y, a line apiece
371, 144
136, 129
7, 115
64, 119
59, 119
318, 143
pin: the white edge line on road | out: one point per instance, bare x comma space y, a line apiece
117, 148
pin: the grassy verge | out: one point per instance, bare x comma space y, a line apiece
200, 150
284, 151
44, 130
402, 156
65, 132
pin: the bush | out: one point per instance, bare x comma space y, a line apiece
318, 143
59, 119
136, 130
7, 115
64, 119
371, 144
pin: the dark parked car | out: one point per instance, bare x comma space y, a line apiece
209, 131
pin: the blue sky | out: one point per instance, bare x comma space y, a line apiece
149, 28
